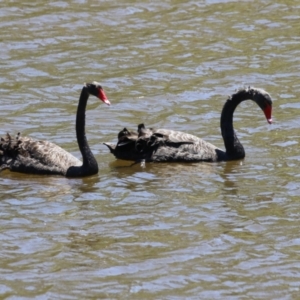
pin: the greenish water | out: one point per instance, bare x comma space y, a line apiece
166, 231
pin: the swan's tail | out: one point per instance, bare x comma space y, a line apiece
10, 146
9, 149
111, 147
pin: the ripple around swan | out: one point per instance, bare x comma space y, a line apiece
165, 231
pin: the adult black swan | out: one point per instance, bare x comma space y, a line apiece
27, 155
163, 145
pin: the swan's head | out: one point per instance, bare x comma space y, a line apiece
96, 89
264, 101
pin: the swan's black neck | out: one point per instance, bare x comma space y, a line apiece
89, 165
234, 148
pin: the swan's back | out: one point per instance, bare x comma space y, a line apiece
178, 136
24, 154
168, 145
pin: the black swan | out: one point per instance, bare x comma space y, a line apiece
27, 155
163, 145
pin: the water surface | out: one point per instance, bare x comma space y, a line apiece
167, 231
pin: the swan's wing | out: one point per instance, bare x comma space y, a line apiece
126, 137
125, 133
144, 132
37, 156
47, 153
186, 152
168, 145
177, 136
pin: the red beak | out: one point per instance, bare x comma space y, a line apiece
103, 97
268, 114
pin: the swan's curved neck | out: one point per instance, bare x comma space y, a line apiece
89, 165
234, 148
